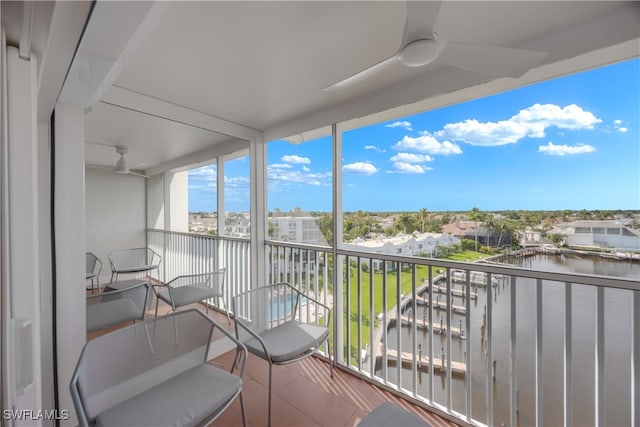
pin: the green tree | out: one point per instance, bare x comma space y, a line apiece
423, 214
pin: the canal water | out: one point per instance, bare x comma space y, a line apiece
618, 330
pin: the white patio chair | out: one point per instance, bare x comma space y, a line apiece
93, 269
134, 260
188, 289
158, 372
111, 308
281, 325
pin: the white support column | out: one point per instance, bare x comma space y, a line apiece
220, 195
69, 228
20, 252
258, 177
336, 136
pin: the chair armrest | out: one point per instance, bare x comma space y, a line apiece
240, 347
154, 256
251, 332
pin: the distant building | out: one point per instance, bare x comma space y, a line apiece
460, 229
237, 224
298, 229
406, 245
604, 234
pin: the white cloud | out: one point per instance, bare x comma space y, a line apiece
374, 148
281, 166
402, 167
204, 171
236, 181
411, 158
404, 124
427, 143
531, 122
283, 177
306, 169
295, 159
360, 168
561, 150
617, 125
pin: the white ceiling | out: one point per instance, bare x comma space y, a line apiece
263, 65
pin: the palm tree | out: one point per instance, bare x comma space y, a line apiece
423, 214
475, 215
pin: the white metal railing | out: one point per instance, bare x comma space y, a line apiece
487, 344
187, 253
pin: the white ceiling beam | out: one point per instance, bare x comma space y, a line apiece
66, 26
124, 98
233, 147
103, 52
24, 46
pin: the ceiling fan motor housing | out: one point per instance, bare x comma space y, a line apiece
420, 52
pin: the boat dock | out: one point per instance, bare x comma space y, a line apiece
441, 305
455, 292
439, 364
438, 327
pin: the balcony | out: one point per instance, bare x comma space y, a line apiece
99, 128
496, 345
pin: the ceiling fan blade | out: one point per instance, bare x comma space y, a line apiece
141, 175
421, 20
364, 74
493, 61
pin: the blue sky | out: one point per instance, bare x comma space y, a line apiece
569, 143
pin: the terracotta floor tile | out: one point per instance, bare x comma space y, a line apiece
324, 408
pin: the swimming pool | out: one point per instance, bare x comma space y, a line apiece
282, 306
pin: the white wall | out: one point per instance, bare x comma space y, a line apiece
179, 203
22, 380
115, 214
155, 201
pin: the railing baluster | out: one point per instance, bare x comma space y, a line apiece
467, 360
568, 356
414, 333
372, 319
448, 339
539, 354
385, 341
399, 322
514, 356
348, 309
359, 302
429, 308
635, 361
599, 384
489, 363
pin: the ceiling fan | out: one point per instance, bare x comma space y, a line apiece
121, 165
421, 45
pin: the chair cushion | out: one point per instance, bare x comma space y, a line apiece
187, 294
137, 268
111, 313
388, 414
184, 400
289, 341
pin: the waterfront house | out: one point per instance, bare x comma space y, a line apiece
612, 234
106, 105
